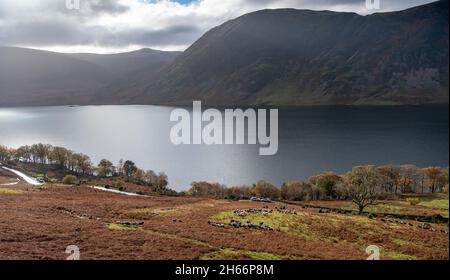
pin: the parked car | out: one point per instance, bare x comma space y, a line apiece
40, 180
257, 199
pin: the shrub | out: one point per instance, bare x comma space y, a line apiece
118, 184
70, 180
53, 180
413, 200
205, 189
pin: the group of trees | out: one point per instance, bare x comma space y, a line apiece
411, 179
363, 185
317, 187
81, 165
390, 181
215, 190
131, 172
76, 163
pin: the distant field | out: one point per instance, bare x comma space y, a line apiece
431, 205
39, 223
437, 203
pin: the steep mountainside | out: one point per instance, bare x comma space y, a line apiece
298, 57
269, 57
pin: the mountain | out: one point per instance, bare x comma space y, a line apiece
269, 57
35, 77
302, 57
130, 62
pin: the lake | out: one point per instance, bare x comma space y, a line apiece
311, 140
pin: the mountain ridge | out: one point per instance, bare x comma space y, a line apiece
38, 77
282, 57
329, 58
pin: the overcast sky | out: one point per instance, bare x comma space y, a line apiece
107, 26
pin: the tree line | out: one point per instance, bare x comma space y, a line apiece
81, 165
363, 185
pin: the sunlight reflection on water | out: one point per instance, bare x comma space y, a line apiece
311, 140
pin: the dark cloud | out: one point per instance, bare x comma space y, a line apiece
41, 33
58, 32
52, 24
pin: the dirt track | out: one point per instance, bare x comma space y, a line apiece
40, 222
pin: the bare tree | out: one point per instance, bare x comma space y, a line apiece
363, 186
435, 178
390, 176
5, 153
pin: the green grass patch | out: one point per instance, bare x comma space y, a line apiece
114, 226
436, 203
263, 256
395, 255
10, 191
385, 208
288, 223
220, 254
311, 227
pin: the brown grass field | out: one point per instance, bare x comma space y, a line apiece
40, 222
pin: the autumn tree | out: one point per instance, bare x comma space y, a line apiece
295, 191
162, 182
240, 192
267, 190
327, 183
23, 153
435, 178
83, 164
138, 176
205, 189
409, 178
105, 168
40, 152
5, 154
363, 186
389, 176
59, 156
445, 188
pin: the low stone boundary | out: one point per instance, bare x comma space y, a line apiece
436, 219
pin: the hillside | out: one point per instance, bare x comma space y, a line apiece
301, 57
269, 57
35, 77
